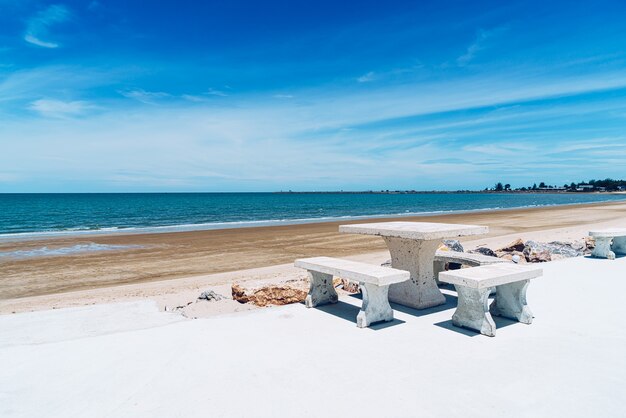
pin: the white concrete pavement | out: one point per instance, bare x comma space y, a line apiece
292, 361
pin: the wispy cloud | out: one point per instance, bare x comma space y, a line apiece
143, 96
365, 78
60, 108
283, 96
478, 45
37, 28
159, 97
194, 98
215, 92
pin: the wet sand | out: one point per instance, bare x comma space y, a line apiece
178, 255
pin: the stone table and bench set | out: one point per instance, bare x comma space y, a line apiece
609, 242
411, 280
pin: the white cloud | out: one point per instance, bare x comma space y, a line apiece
37, 27
60, 108
143, 96
478, 45
214, 92
193, 98
371, 76
154, 97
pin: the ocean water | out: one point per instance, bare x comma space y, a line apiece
34, 215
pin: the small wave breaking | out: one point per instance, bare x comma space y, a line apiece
63, 251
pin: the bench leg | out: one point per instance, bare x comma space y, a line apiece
472, 310
619, 245
321, 290
375, 307
510, 302
603, 248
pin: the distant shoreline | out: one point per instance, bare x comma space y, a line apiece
447, 192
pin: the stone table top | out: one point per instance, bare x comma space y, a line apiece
414, 230
490, 275
608, 233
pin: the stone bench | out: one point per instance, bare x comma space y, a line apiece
473, 286
466, 259
609, 242
374, 281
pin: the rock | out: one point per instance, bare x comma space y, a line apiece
517, 245
554, 248
349, 286
513, 256
539, 257
566, 249
453, 245
590, 244
210, 296
484, 251
264, 293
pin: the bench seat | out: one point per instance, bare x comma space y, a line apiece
609, 242
374, 281
473, 286
465, 259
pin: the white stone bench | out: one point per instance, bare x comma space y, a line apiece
473, 286
466, 259
374, 281
609, 242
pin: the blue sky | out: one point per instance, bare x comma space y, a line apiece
275, 95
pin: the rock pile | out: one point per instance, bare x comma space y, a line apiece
264, 294
540, 252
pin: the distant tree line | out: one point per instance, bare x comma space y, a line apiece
592, 185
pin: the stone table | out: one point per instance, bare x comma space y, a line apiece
609, 242
412, 246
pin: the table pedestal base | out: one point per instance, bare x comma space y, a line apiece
603, 248
416, 257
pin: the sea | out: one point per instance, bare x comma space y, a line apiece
40, 215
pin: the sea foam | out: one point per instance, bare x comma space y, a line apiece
62, 251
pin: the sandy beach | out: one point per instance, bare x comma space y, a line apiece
173, 267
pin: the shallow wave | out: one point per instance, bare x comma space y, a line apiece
74, 249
